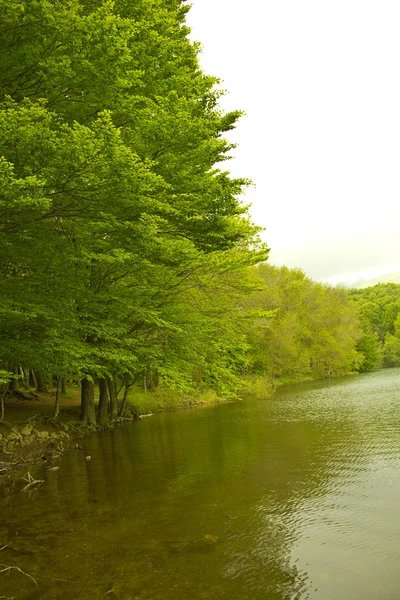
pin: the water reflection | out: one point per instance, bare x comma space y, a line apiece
291, 498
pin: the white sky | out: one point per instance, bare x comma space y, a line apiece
319, 81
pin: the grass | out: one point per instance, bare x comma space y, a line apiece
143, 403
257, 388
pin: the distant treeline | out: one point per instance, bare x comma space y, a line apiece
318, 331
313, 331
126, 254
378, 308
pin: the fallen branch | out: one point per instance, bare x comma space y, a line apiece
32, 483
32, 418
8, 569
80, 583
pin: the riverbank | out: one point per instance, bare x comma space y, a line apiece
30, 435
292, 488
262, 388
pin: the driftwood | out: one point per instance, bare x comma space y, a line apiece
16, 551
32, 419
8, 568
32, 483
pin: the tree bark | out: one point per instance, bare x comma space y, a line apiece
41, 386
3, 393
14, 383
112, 389
32, 379
103, 402
126, 389
25, 375
57, 402
88, 415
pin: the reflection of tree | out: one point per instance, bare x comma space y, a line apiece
182, 504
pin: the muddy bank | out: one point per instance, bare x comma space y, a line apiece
39, 439
24, 443
30, 434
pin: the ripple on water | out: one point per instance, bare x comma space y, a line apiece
288, 499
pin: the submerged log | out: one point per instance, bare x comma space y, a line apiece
32, 483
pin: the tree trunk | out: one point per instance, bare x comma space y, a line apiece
88, 415
14, 382
25, 373
103, 402
63, 385
118, 387
57, 402
41, 386
113, 398
126, 389
3, 393
32, 379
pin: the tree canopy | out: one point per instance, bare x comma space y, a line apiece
116, 217
126, 250
312, 331
379, 309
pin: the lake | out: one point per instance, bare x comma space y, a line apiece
294, 497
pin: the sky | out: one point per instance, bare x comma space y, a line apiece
319, 83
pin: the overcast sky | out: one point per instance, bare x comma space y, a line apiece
319, 82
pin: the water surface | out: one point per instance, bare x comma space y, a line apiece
291, 498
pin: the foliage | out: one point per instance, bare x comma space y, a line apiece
257, 388
126, 252
122, 240
5, 376
144, 403
379, 309
391, 351
311, 330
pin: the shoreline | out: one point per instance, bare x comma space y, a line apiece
41, 439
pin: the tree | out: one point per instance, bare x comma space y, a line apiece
311, 330
391, 351
378, 308
113, 208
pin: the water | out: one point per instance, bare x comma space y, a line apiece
291, 498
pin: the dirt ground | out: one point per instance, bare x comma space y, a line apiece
18, 410
29, 434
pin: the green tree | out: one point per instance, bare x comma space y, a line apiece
378, 308
313, 331
114, 210
391, 351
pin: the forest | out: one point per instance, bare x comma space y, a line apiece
127, 254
